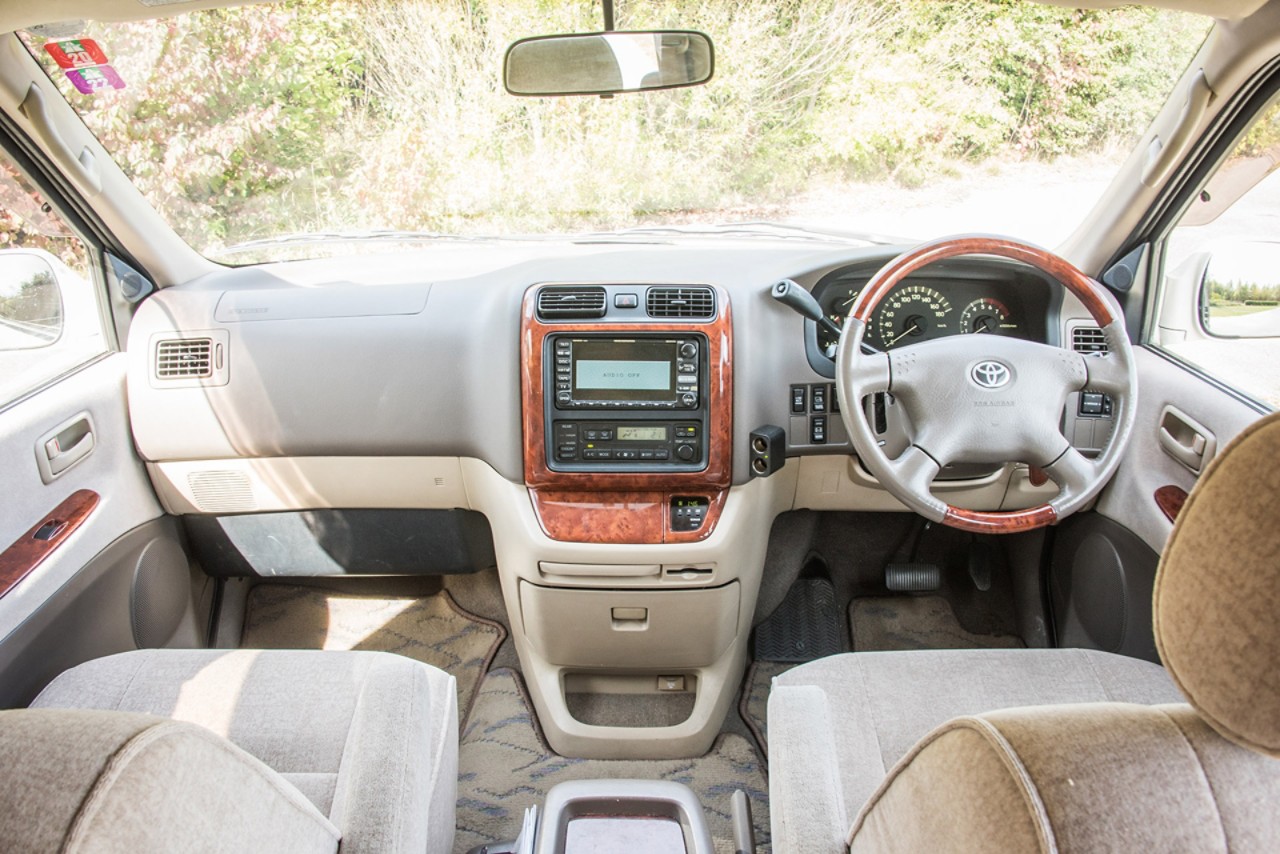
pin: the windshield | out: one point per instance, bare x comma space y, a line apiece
343, 119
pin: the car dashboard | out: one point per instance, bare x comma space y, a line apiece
588, 417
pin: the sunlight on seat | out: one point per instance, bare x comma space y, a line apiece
204, 698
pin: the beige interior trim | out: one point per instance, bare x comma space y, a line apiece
309, 483
712, 649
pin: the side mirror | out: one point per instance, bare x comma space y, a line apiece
608, 63
30, 300
1240, 291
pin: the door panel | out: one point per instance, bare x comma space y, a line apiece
1130, 499
111, 469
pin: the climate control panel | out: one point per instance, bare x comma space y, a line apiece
627, 442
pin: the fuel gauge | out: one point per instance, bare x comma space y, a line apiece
987, 315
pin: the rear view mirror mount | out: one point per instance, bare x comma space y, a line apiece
608, 63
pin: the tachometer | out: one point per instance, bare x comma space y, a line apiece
987, 315
835, 303
912, 313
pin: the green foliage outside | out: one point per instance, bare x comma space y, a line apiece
354, 114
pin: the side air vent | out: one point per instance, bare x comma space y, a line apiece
681, 302
564, 303
184, 359
1088, 339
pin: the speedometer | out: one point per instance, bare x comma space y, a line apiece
913, 312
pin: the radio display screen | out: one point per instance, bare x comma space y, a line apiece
624, 370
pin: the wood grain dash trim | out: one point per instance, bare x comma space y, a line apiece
719, 470
1170, 500
1000, 523
613, 517
27, 552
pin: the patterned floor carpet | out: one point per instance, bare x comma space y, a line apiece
432, 629
505, 766
915, 622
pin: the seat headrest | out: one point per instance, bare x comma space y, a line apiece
1217, 594
81, 780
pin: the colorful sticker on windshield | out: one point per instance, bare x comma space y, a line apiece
97, 79
76, 53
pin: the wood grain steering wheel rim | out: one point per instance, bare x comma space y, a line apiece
1090, 294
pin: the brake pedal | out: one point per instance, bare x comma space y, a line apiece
912, 577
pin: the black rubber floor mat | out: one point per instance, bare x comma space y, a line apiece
805, 626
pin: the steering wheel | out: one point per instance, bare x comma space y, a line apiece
986, 398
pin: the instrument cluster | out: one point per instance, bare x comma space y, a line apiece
937, 303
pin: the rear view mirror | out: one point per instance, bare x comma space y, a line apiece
608, 63
30, 301
1240, 292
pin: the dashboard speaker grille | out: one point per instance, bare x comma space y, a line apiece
1088, 339
184, 358
218, 491
561, 303
680, 302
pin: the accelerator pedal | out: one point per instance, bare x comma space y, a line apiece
912, 577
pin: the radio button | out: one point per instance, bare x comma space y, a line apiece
689, 399
564, 397
687, 379
688, 349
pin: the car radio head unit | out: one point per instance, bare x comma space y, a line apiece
628, 403
627, 373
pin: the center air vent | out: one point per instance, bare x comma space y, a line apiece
184, 358
680, 302
563, 303
1088, 339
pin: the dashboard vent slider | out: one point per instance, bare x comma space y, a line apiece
680, 302
567, 302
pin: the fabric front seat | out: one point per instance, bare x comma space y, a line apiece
1013, 750
370, 738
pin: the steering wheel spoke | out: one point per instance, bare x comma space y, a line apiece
1108, 373
915, 469
1073, 472
870, 375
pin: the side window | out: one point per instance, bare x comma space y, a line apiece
50, 315
1220, 303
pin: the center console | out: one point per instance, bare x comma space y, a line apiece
631, 572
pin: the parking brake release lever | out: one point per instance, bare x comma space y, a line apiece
797, 298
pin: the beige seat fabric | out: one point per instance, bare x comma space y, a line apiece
1054, 776
369, 737
849, 718
121, 783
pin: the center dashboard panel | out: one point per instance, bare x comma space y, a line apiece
627, 401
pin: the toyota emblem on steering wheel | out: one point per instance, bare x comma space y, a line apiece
990, 374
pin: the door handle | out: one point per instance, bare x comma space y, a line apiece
1186, 440
64, 446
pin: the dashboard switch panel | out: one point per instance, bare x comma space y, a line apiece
688, 513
